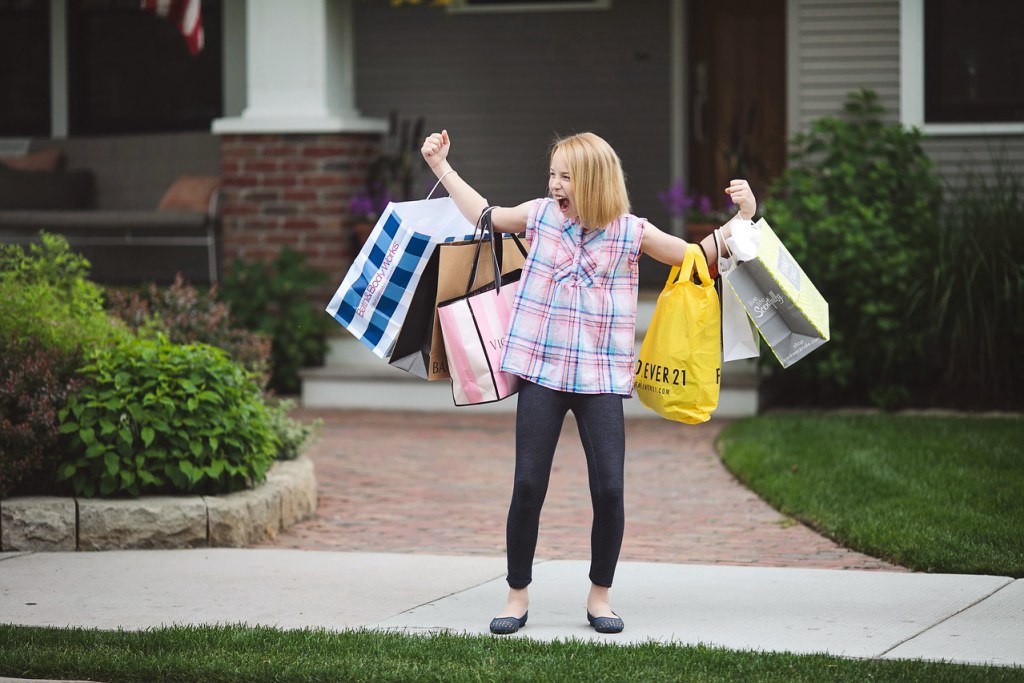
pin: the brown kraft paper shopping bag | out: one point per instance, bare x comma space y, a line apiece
419, 348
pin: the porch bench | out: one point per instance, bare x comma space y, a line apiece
126, 246
141, 208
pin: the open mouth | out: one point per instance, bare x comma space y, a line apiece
563, 203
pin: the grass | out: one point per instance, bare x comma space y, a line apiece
257, 655
936, 494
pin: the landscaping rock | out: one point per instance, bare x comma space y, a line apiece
264, 512
37, 523
235, 520
154, 522
245, 517
297, 482
228, 521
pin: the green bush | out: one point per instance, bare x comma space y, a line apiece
155, 417
275, 298
34, 384
50, 312
292, 435
187, 316
47, 297
856, 207
973, 299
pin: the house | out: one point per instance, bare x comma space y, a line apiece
297, 93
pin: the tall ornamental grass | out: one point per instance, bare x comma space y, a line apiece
972, 302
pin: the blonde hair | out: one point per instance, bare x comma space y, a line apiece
597, 179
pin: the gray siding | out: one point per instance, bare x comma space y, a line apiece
952, 155
505, 85
838, 46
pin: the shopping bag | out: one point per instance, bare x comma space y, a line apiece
780, 299
419, 347
679, 370
740, 338
373, 299
474, 326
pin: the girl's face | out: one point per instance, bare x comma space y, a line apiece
560, 185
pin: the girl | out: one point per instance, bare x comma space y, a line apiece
570, 341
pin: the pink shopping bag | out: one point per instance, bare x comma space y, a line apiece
474, 326
474, 329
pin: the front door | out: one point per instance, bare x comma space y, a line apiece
737, 94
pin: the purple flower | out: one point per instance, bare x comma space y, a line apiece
696, 209
364, 207
360, 204
705, 204
676, 200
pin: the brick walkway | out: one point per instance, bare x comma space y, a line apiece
439, 483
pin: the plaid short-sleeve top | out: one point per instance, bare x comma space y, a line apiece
574, 315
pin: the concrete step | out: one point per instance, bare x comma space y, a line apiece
353, 377
391, 389
356, 378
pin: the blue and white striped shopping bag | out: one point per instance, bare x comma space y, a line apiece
373, 299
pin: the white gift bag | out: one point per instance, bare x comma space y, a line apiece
740, 339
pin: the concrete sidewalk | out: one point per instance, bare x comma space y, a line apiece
889, 615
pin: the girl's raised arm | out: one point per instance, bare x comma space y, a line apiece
669, 249
470, 202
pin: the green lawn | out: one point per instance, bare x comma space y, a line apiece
934, 493
258, 655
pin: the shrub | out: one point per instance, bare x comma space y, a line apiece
973, 299
274, 298
34, 384
50, 312
47, 297
155, 417
187, 316
292, 435
856, 207
51, 261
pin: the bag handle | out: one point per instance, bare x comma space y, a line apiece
431, 193
498, 251
483, 224
485, 228
691, 261
498, 246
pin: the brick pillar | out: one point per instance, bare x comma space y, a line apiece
292, 189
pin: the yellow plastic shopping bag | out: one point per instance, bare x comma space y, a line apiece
679, 370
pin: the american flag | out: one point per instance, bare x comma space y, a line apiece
187, 14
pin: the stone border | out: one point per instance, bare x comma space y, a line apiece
235, 520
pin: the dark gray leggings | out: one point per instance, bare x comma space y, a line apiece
539, 419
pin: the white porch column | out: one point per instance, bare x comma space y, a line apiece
299, 70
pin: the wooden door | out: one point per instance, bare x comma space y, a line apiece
737, 94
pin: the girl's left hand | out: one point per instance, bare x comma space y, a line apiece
740, 194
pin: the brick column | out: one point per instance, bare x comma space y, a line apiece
292, 189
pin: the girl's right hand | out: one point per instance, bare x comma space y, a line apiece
435, 149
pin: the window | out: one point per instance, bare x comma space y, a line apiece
958, 76
971, 72
24, 68
130, 71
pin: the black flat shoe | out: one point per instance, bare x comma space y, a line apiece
503, 626
606, 624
